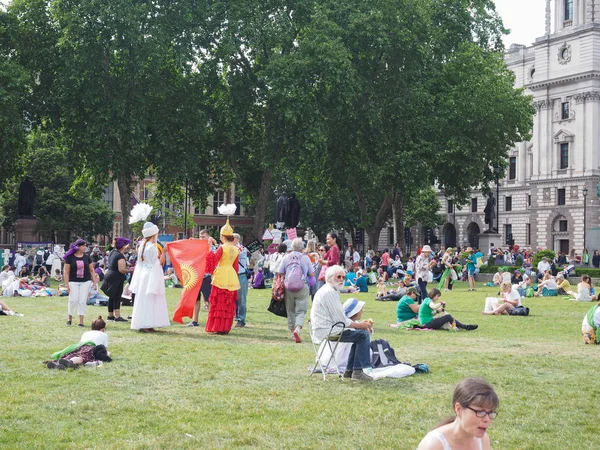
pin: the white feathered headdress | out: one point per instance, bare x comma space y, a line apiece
140, 212
227, 210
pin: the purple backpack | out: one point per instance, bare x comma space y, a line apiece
294, 275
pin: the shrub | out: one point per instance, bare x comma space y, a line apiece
539, 255
586, 270
494, 269
491, 261
519, 261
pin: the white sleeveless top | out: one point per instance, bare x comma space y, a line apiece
440, 437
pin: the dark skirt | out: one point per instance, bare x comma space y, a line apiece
113, 284
85, 352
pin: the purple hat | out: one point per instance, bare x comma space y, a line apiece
121, 242
73, 247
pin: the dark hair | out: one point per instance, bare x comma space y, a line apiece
6, 266
472, 391
338, 242
433, 292
281, 248
24, 272
229, 238
98, 324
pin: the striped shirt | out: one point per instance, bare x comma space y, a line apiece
326, 310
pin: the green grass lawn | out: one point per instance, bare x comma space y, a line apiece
182, 388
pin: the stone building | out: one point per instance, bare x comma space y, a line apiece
548, 197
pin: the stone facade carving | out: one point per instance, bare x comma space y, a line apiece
564, 54
547, 194
574, 192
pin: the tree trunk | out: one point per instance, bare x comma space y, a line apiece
398, 212
380, 218
124, 185
260, 212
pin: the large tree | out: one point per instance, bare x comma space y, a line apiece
13, 89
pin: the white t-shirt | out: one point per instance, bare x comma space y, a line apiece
512, 295
97, 337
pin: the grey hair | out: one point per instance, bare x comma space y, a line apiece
332, 271
297, 245
237, 236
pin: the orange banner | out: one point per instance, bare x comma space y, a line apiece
189, 261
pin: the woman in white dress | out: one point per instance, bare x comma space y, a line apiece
150, 306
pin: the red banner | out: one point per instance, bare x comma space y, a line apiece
189, 261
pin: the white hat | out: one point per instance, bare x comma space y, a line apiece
352, 306
426, 248
149, 229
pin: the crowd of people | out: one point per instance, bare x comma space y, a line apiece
313, 271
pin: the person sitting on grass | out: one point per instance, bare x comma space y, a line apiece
430, 307
475, 404
590, 326
584, 290
563, 285
548, 287
57, 276
408, 308
395, 295
524, 285
171, 279
510, 299
381, 288
91, 348
362, 281
350, 278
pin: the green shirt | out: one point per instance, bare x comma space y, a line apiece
425, 312
403, 312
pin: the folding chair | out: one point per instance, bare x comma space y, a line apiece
331, 341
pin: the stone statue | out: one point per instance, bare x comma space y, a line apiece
490, 213
26, 198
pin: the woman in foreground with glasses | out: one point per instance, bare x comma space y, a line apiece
475, 404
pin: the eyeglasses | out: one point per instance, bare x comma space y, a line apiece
481, 413
339, 277
321, 249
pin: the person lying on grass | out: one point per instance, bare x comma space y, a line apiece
509, 300
6, 311
431, 307
91, 348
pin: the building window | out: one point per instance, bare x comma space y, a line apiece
561, 196
562, 225
564, 156
391, 235
474, 204
528, 199
508, 203
527, 234
109, 194
512, 168
508, 234
568, 9
147, 193
218, 200
564, 110
450, 207
238, 203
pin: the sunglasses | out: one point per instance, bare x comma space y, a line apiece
339, 277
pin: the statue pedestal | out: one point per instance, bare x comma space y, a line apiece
25, 230
485, 239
